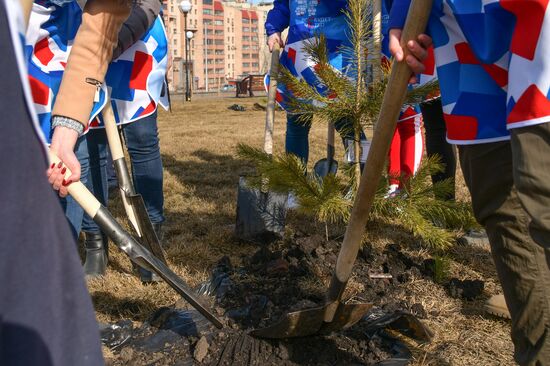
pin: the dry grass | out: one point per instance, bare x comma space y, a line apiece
201, 173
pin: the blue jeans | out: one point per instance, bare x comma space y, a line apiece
143, 147
297, 134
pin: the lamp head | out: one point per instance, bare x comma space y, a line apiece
185, 6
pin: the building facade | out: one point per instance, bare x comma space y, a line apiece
228, 42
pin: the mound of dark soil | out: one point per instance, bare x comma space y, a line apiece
276, 279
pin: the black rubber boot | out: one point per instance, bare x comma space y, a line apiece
146, 275
97, 257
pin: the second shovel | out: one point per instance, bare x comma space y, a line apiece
133, 202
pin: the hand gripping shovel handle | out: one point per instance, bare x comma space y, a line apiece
389, 112
137, 253
271, 96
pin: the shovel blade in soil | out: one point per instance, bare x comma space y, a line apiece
324, 167
148, 236
311, 321
260, 216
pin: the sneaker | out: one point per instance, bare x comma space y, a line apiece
393, 191
496, 305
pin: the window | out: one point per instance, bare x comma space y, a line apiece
218, 22
207, 2
246, 55
246, 64
246, 21
207, 11
246, 29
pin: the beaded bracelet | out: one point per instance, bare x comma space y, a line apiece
69, 123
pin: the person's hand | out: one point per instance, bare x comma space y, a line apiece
274, 39
418, 51
63, 143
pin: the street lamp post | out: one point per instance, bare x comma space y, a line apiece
188, 36
185, 7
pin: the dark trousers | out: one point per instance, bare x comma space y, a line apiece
436, 142
510, 187
46, 315
297, 134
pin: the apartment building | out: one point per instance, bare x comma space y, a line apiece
228, 42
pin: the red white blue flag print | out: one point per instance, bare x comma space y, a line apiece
135, 81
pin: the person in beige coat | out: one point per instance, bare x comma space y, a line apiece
85, 71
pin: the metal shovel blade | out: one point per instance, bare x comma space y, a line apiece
324, 167
144, 258
148, 236
260, 215
304, 323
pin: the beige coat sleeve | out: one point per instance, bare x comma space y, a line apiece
90, 57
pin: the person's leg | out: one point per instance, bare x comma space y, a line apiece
531, 157
72, 209
143, 146
96, 243
142, 142
394, 161
412, 145
436, 142
97, 175
488, 172
297, 135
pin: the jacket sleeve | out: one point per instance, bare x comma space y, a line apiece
398, 13
278, 18
142, 17
90, 56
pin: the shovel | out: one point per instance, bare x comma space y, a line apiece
133, 202
261, 214
335, 314
327, 166
137, 253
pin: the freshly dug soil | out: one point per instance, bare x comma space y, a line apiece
284, 276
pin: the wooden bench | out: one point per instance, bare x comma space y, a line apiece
250, 84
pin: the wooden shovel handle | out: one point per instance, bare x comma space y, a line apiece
394, 97
115, 146
78, 191
271, 94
